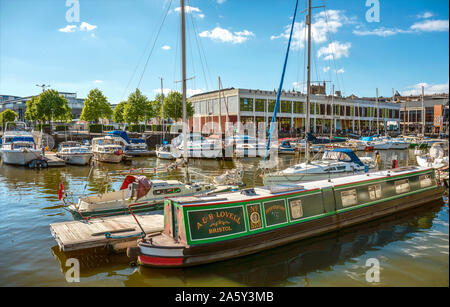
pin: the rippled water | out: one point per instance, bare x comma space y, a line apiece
412, 248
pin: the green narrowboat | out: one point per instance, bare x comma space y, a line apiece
205, 229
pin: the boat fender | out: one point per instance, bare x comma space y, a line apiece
133, 252
366, 168
394, 163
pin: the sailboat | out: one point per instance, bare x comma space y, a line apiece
200, 230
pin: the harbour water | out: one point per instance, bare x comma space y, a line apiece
412, 248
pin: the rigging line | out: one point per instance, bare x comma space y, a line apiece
199, 53
154, 43
272, 126
203, 50
137, 65
190, 47
333, 51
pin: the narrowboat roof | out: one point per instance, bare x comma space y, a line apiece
285, 189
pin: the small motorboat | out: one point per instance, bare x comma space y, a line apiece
74, 153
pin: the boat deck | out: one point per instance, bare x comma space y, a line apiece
53, 160
262, 192
77, 235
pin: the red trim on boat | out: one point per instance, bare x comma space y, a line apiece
159, 261
231, 202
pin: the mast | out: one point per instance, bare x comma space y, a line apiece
183, 82
423, 113
220, 111
378, 114
308, 83
162, 109
332, 111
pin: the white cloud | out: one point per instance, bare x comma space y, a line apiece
68, 29
324, 23
165, 47
340, 71
383, 32
87, 27
220, 1
431, 26
429, 89
225, 36
195, 11
325, 69
98, 81
425, 15
334, 50
166, 91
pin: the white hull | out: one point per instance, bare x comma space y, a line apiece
17, 157
425, 161
399, 145
108, 157
381, 146
76, 159
166, 155
277, 178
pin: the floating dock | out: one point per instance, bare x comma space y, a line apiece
53, 160
119, 232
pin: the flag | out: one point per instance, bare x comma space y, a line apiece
61, 189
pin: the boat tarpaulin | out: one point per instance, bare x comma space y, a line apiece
143, 184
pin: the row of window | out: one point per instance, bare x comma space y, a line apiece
246, 104
350, 197
166, 191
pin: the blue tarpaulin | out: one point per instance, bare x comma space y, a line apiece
121, 134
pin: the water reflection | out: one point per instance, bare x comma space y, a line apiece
288, 265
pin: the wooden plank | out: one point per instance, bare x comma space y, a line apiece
76, 235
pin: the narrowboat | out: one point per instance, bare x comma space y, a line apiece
206, 229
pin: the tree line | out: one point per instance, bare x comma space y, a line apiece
50, 106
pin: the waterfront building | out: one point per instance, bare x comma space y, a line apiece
19, 104
436, 114
248, 105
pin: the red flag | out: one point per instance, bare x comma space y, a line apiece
61, 189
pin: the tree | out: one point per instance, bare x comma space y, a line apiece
137, 108
156, 105
50, 106
31, 112
173, 106
8, 116
96, 106
118, 112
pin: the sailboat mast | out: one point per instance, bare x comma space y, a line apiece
162, 109
423, 113
183, 82
308, 83
332, 113
378, 111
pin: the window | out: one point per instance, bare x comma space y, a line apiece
296, 209
272, 105
402, 186
260, 105
349, 198
375, 191
285, 106
247, 104
298, 107
425, 181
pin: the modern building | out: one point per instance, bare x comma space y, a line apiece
19, 104
248, 105
436, 114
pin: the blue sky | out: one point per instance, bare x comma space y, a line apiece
243, 41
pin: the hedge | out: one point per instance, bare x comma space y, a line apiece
142, 128
97, 128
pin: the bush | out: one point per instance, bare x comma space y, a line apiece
45, 127
61, 128
97, 128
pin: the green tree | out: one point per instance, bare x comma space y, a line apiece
8, 116
173, 106
50, 105
118, 112
137, 108
31, 112
156, 105
96, 106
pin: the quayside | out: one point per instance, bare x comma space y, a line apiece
199, 230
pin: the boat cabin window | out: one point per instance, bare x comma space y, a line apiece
335, 155
375, 191
425, 181
349, 198
402, 186
166, 191
296, 209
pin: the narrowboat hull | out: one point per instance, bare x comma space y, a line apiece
177, 257
200, 230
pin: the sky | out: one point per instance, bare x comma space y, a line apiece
118, 46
